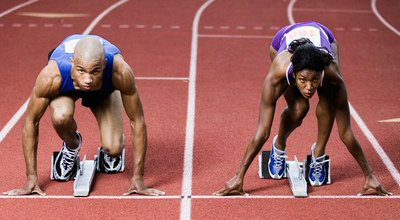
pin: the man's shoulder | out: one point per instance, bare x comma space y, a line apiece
48, 82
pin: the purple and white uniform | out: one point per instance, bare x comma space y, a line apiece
318, 34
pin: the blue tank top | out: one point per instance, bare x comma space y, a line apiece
63, 53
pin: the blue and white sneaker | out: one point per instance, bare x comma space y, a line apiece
65, 164
277, 162
317, 174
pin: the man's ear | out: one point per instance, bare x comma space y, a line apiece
71, 61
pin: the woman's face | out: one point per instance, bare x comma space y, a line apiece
308, 81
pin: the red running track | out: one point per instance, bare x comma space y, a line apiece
155, 38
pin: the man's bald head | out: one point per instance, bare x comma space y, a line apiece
89, 49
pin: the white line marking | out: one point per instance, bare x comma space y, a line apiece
332, 10
140, 26
67, 25
100, 16
136, 197
21, 111
372, 29
175, 27
90, 197
32, 25
339, 29
224, 27
257, 28
209, 27
17, 7
241, 27
391, 120
16, 25
156, 26
376, 12
106, 26
235, 36
162, 78
386, 160
10, 124
48, 25
356, 29
382, 154
185, 211
274, 28
124, 26
290, 11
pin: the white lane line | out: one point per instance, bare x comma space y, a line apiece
10, 124
140, 26
258, 28
16, 25
67, 25
32, 25
241, 27
21, 111
175, 27
17, 7
105, 25
156, 26
161, 78
48, 25
339, 29
209, 27
185, 211
137, 197
274, 28
292, 197
378, 148
377, 14
372, 29
224, 27
235, 36
101, 16
123, 26
290, 11
332, 10
356, 29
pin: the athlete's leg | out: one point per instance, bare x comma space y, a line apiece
326, 118
109, 116
292, 116
62, 111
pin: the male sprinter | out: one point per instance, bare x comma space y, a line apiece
304, 62
91, 68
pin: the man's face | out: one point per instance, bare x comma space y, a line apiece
87, 74
308, 81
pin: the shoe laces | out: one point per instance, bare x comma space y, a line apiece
108, 159
278, 159
317, 166
68, 158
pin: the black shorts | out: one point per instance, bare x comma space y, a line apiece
89, 99
94, 98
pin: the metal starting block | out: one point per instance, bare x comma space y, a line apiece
83, 173
296, 173
84, 178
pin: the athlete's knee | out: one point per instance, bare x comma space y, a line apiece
298, 112
113, 148
62, 119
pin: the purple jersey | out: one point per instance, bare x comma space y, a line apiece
318, 34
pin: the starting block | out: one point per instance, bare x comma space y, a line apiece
83, 172
296, 173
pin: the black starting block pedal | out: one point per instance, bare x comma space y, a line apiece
53, 176
263, 160
327, 169
101, 165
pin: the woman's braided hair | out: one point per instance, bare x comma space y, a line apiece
308, 56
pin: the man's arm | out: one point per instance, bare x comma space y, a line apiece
124, 81
39, 100
346, 134
274, 86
